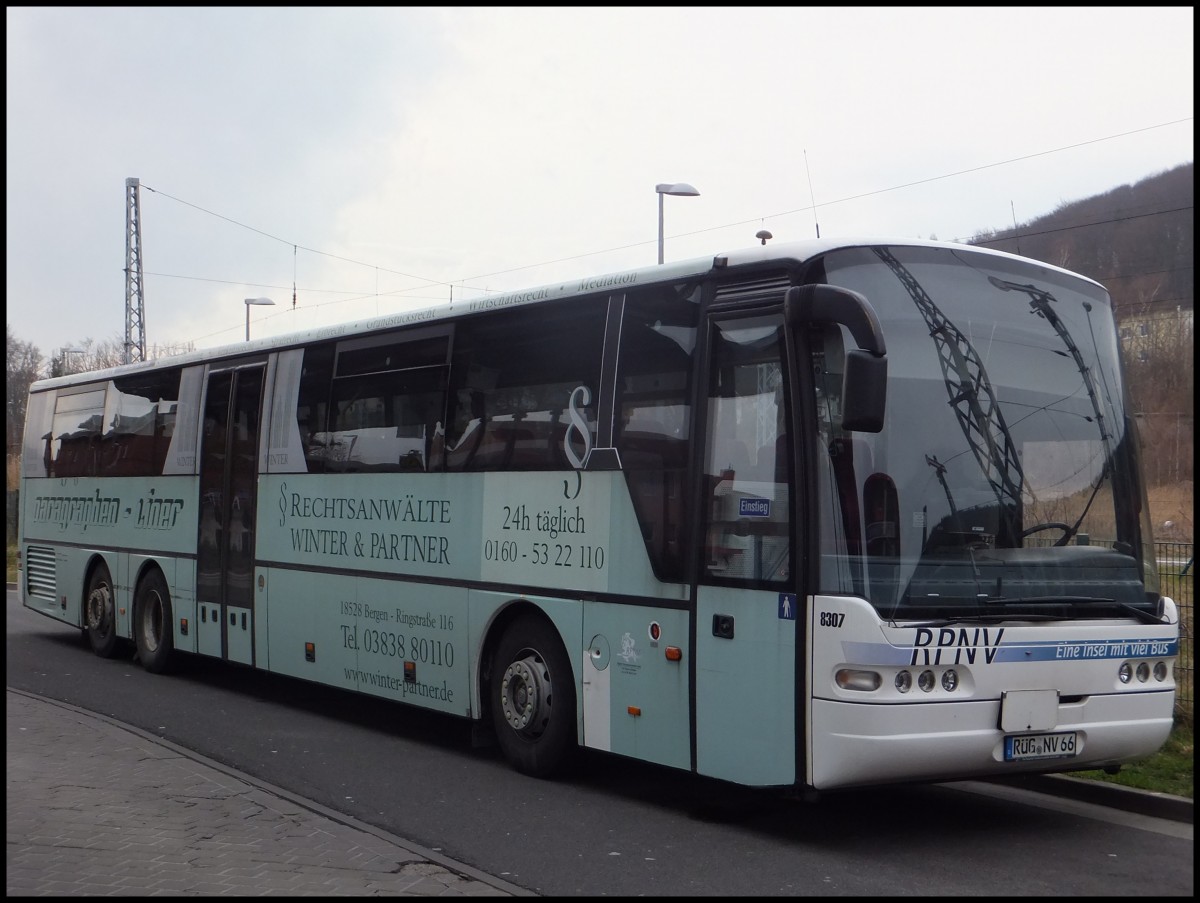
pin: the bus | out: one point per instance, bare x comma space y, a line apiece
811, 516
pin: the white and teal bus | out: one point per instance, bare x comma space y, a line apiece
806, 516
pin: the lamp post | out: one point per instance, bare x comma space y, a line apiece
679, 189
257, 301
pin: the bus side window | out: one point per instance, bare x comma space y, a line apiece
654, 417
386, 401
140, 419
747, 512
37, 450
511, 383
78, 421
312, 405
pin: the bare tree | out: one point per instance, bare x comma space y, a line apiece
90, 355
1160, 349
24, 364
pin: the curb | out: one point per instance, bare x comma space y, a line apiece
1107, 794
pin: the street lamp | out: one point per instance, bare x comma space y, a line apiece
249, 301
679, 189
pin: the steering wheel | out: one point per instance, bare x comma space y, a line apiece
1050, 525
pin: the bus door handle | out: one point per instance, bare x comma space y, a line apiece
723, 626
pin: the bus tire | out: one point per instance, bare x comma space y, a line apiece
532, 698
100, 613
153, 625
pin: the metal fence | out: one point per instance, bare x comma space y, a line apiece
1175, 570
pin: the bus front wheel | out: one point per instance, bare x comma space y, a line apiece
152, 625
100, 616
532, 698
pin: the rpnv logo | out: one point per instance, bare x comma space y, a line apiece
754, 507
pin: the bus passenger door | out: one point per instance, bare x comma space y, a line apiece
746, 603
228, 486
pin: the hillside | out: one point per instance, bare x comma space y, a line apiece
1137, 240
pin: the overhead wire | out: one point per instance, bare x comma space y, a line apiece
429, 282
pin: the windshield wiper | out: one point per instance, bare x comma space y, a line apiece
1146, 617
982, 619
1012, 608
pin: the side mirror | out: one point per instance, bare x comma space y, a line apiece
864, 391
864, 382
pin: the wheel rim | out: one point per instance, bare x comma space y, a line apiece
99, 609
152, 621
525, 696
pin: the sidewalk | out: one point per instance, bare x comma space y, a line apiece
95, 808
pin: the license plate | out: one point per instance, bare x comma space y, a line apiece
1040, 746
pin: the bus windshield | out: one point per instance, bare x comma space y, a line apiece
1005, 482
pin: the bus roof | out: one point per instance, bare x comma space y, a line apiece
785, 253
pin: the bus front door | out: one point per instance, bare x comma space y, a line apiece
228, 486
746, 605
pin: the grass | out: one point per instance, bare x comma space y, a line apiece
1167, 771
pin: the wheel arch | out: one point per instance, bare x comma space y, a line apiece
153, 657
141, 567
501, 618
143, 571
520, 714
90, 563
96, 560
564, 616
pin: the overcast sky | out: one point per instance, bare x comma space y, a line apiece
383, 160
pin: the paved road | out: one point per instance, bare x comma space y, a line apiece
97, 808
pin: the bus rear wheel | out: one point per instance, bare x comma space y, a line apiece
152, 623
532, 698
100, 615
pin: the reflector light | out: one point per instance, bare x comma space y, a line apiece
674, 654
634, 711
852, 679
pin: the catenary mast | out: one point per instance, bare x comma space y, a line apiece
135, 302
